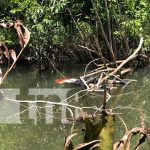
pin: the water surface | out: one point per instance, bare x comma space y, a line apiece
38, 126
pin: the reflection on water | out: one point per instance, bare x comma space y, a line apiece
41, 126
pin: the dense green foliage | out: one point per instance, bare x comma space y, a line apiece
65, 30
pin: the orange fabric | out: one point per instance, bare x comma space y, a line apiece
61, 81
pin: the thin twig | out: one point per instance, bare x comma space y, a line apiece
54, 66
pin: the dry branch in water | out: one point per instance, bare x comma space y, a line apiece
108, 74
68, 142
124, 143
24, 37
125, 61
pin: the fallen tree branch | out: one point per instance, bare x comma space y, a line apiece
124, 62
124, 143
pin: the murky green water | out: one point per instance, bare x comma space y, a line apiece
39, 126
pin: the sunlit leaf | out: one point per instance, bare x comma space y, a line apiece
107, 133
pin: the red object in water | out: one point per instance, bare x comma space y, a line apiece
65, 80
61, 81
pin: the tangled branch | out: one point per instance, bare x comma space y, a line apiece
124, 143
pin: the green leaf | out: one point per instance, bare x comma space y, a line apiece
107, 133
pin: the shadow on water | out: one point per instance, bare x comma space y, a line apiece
40, 126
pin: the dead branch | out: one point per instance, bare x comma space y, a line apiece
100, 52
24, 37
68, 142
123, 144
103, 32
108, 19
86, 145
89, 65
111, 63
124, 62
